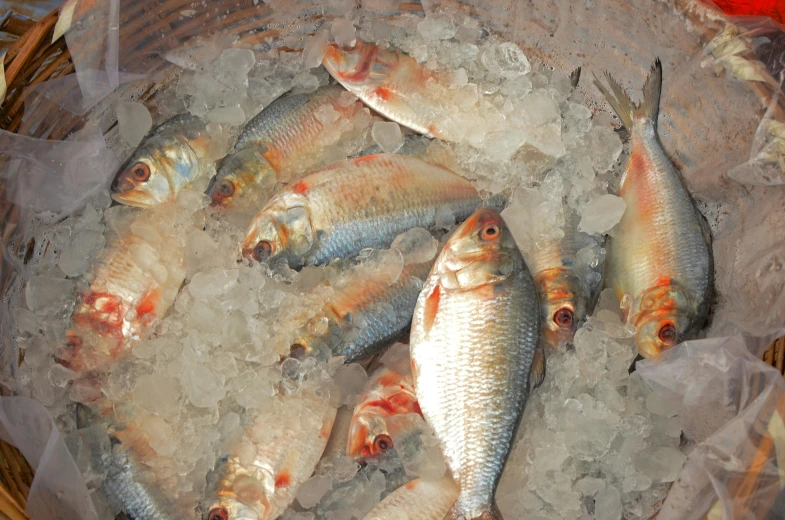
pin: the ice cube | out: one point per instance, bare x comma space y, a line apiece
600, 214
343, 32
312, 490
445, 218
660, 464
229, 115
350, 379
417, 245
203, 387
134, 121
506, 59
157, 393
313, 52
436, 27
326, 114
60, 376
49, 296
388, 136
78, 255
607, 504
26, 321
605, 147
232, 67
119, 218
209, 284
159, 434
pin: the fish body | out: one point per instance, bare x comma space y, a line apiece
288, 137
386, 394
417, 500
258, 478
383, 298
170, 159
132, 286
398, 87
355, 204
476, 355
567, 287
659, 260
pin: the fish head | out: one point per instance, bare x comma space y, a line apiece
155, 173
363, 65
236, 173
236, 492
369, 437
481, 251
281, 230
663, 319
563, 303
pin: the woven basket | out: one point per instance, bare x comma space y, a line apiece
148, 27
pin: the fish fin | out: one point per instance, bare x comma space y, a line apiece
537, 372
618, 100
652, 89
575, 77
492, 512
431, 308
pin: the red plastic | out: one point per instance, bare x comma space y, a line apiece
772, 8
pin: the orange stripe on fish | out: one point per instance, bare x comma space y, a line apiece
300, 188
384, 93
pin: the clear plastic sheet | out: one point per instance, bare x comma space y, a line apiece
58, 491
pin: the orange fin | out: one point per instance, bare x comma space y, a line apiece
431, 308
537, 371
491, 513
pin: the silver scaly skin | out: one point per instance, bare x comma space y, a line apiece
417, 500
476, 355
355, 204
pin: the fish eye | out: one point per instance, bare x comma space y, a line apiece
225, 189
140, 172
563, 317
218, 513
489, 232
381, 444
262, 251
297, 351
667, 334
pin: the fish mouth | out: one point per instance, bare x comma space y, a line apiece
122, 184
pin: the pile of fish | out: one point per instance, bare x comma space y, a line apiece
380, 247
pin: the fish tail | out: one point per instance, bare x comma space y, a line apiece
621, 103
457, 512
575, 77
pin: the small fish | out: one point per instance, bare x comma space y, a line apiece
659, 262
355, 204
567, 288
395, 85
378, 301
259, 477
285, 138
386, 394
132, 286
476, 355
170, 159
417, 500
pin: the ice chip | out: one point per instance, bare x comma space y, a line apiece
134, 122
79, 253
506, 59
232, 67
203, 387
326, 114
350, 379
157, 393
387, 135
660, 464
605, 147
49, 296
343, 32
313, 52
436, 27
26, 321
212, 283
607, 504
228, 115
445, 218
305, 82
417, 246
159, 434
60, 376
600, 214
312, 490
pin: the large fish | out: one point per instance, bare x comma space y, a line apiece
355, 204
417, 500
370, 308
398, 87
476, 355
387, 394
131, 287
659, 260
171, 158
567, 286
258, 478
287, 137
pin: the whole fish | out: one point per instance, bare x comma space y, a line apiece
398, 87
387, 393
370, 308
355, 204
168, 160
131, 287
476, 355
287, 137
659, 261
417, 500
259, 477
567, 287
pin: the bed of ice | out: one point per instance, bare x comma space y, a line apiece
594, 442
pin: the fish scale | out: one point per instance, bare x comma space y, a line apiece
417, 500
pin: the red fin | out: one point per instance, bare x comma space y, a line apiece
431, 308
148, 303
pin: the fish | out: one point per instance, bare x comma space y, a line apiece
377, 300
387, 393
285, 138
395, 85
417, 500
476, 355
568, 289
258, 478
131, 287
170, 159
355, 204
659, 260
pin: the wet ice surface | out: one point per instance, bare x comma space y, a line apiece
594, 443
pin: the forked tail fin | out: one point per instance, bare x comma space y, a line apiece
456, 512
621, 103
